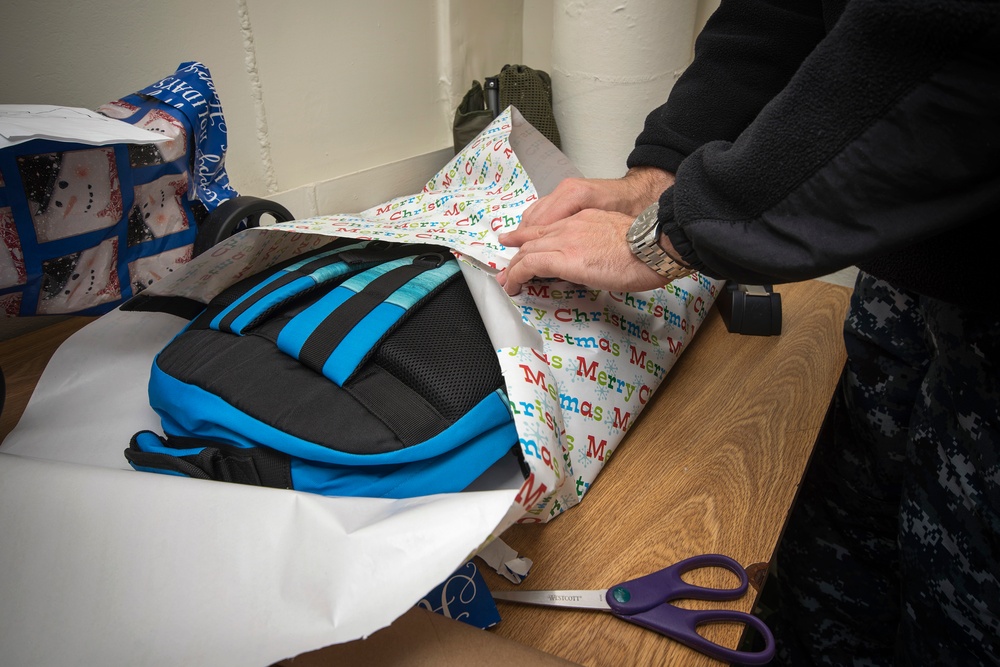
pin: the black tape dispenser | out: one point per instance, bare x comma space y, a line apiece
752, 310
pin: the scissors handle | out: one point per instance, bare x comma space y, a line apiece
681, 625
636, 595
646, 600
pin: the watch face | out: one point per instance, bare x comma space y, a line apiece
643, 226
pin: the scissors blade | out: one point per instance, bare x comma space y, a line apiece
593, 599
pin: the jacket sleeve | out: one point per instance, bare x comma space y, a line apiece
888, 134
746, 53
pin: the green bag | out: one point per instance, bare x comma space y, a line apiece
529, 90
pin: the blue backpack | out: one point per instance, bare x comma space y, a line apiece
358, 369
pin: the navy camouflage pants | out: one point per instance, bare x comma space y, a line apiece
892, 552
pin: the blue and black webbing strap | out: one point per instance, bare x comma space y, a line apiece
248, 302
333, 335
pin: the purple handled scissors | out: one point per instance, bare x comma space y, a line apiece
646, 601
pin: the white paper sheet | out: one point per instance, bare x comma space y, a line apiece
171, 571
24, 122
102, 565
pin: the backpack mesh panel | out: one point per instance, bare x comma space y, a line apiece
453, 376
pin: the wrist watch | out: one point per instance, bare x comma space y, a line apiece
643, 239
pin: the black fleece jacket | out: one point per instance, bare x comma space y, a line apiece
812, 135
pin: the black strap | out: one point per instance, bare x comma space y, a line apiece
257, 466
400, 407
172, 305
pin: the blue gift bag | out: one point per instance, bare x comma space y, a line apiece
86, 227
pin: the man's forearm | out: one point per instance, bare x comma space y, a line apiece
645, 186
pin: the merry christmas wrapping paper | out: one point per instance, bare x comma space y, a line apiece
104, 564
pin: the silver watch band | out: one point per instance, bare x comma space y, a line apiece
643, 239
657, 259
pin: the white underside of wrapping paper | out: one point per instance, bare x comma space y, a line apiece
100, 564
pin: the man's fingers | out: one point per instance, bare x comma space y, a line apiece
571, 196
526, 267
522, 235
548, 210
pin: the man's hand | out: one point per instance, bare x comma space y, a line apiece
577, 233
630, 194
587, 248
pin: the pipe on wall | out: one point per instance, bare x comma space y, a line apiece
612, 63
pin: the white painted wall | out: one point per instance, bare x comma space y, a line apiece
538, 25
611, 63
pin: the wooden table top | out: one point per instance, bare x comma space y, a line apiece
23, 359
711, 465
